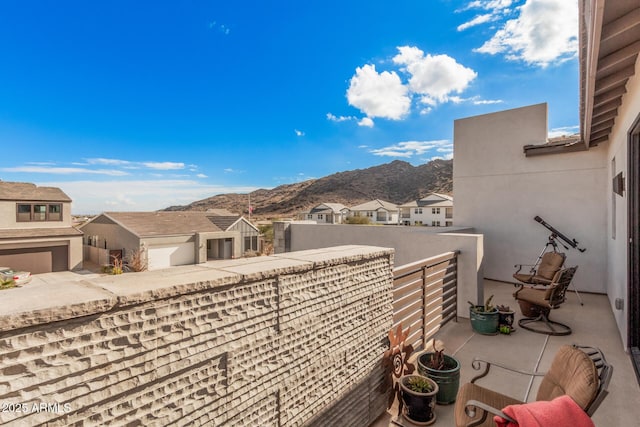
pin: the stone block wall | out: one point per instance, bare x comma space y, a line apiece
287, 340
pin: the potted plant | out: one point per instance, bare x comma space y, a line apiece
506, 317
444, 370
484, 318
419, 397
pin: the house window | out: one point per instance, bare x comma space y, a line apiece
435, 223
309, 216
418, 211
28, 212
417, 223
251, 243
448, 213
448, 223
320, 216
369, 214
435, 211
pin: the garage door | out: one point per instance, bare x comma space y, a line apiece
36, 260
170, 255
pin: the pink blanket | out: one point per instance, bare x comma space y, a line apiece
561, 411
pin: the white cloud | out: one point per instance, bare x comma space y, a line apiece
366, 121
545, 32
563, 131
163, 165
201, 175
480, 19
378, 94
298, 132
64, 170
494, 5
434, 77
335, 118
91, 197
410, 148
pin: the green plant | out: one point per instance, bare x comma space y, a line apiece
117, 265
419, 384
7, 284
436, 361
357, 220
486, 308
503, 308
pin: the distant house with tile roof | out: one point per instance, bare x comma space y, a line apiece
433, 210
36, 232
174, 238
378, 211
329, 213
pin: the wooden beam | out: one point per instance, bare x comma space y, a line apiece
616, 79
600, 134
611, 105
597, 141
608, 124
627, 53
609, 95
620, 25
604, 117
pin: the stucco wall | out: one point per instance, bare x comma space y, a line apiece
617, 147
410, 244
269, 341
498, 191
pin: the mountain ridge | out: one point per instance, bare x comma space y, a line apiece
396, 182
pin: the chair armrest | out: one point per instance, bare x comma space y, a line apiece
519, 267
477, 363
470, 410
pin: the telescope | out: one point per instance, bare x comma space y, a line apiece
555, 233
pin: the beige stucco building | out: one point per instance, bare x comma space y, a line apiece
36, 232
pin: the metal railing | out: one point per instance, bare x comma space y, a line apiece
425, 296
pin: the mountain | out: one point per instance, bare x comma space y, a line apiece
397, 182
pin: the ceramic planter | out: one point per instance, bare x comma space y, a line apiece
419, 407
448, 379
484, 322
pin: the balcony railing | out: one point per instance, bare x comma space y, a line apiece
425, 296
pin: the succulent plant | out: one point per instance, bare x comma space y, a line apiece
419, 384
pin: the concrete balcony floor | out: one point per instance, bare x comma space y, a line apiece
592, 324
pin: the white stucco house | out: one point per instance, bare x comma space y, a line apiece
434, 210
587, 187
378, 211
327, 213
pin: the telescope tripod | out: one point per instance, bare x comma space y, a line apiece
553, 243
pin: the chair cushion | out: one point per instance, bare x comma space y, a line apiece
532, 295
472, 391
572, 372
550, 263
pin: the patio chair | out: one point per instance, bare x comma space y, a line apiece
580, 372
549, 264
536, 304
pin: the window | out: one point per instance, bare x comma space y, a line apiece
448, 223
435, 223
448, 213
369, 214
435, 211
28, 212
320, 216
309, 216
418, 211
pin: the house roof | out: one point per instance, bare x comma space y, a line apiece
328, 207
374, 205
609, 47
31, 233
24, 191
154, 224
432, 199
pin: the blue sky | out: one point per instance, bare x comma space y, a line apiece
131, 106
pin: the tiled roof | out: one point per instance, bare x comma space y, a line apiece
224, 222
150, 224
374, 205
24, 191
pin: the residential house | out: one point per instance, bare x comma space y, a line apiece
434, 210
378, 211
170, 238
507, 172
329, 213
36, 232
